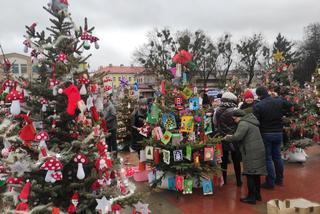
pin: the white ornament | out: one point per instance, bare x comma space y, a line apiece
15, 108
80, 172
104, 205
83, 90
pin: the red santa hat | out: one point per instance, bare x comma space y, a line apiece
75, 196
24, 194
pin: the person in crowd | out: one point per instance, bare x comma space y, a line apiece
248, 101
270, 111
110, 116
252, 150
138, 119
225, 125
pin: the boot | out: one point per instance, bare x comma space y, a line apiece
257, 186
251, 198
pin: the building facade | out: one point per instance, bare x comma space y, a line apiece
21, 65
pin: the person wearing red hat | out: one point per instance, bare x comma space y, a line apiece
248, 101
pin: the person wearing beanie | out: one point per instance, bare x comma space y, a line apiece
270, 111
110, 116
225, 125
138, 119
248, 101
252, 150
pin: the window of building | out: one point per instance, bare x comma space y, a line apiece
23, 68
114, 79
15, 68
119, 78
129, 79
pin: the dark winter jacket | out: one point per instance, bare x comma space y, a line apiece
110, 115
248, 108
269, 111
137, 121
251, 145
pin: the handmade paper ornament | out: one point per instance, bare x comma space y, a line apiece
194, 103
218, 150
172, 183
177, 155
207, 125
188, 152
169, 121
187, 124
141, 208
166, 137
207, 188
186, 93
153, 115
149, 152
178, 70
196, 159
187, 186
208, 154
156, 154
145, 130
143, 157
179, 182
166, 156
157, 132
176, 139
178, 103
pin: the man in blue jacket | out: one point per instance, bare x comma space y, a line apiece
270, 111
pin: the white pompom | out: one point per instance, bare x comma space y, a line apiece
60, 91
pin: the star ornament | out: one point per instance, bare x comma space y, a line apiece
278, 56
123, 82
142, 208
104, 205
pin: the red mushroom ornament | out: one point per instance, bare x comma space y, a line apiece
43, 137
44, 104
83, 81
14, 97
51, 165
80, 159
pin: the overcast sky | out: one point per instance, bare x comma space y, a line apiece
122, 25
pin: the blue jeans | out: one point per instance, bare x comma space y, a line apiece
274, 162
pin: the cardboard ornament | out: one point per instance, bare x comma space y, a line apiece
172, 183
186, 93
187, 186
169, 121
176, 139
194, 103
177, 155
153, 116
208, 153
178, 103
187, 124
166, 156
166, 137
188, 153
179, 182
207, 188
157, 133
208, 125
156, 154
149, 152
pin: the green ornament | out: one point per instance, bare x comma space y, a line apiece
2, 183
188, 152
153, 116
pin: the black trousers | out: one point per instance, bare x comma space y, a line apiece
112, 141
236, 158
253, 184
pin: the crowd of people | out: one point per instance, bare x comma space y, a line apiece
252, 131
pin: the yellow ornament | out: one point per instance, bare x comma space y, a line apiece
278, 56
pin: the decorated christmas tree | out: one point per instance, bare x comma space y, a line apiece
178, 145
301, 124
125, 107
54, 141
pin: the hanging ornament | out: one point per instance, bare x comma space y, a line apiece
44, 104
182, 57
80, 159
104, 205
27, 45
72, 209
95, 40
123, 82
83, 81
14, 97
54, 119
62, 57
8, 85
42, 137
51, 165
24, 195
86, 45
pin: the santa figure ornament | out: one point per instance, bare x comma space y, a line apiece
28, 132
74, 203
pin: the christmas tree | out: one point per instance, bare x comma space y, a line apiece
300, 124
54, 154
125, 106
177, 128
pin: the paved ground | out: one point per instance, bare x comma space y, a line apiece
301, 180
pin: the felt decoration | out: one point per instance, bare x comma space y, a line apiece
188, 152
178, 103
153, 115
207, 188
62, 57
145, 130
187, 124
187, 186
24, 195
179, 182
176, 139
28, 132
172, 183
163, 87
207, 125
157, 131
208, 154
166, 137
166, 156
278, 56
194, 103
104, 205
182, 57
149, 152
156, 155
141, 208
186, 93
55, 210
74, 97
196, 159
177, 155
169, 121
95, 114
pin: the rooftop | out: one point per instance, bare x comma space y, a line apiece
121, 69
